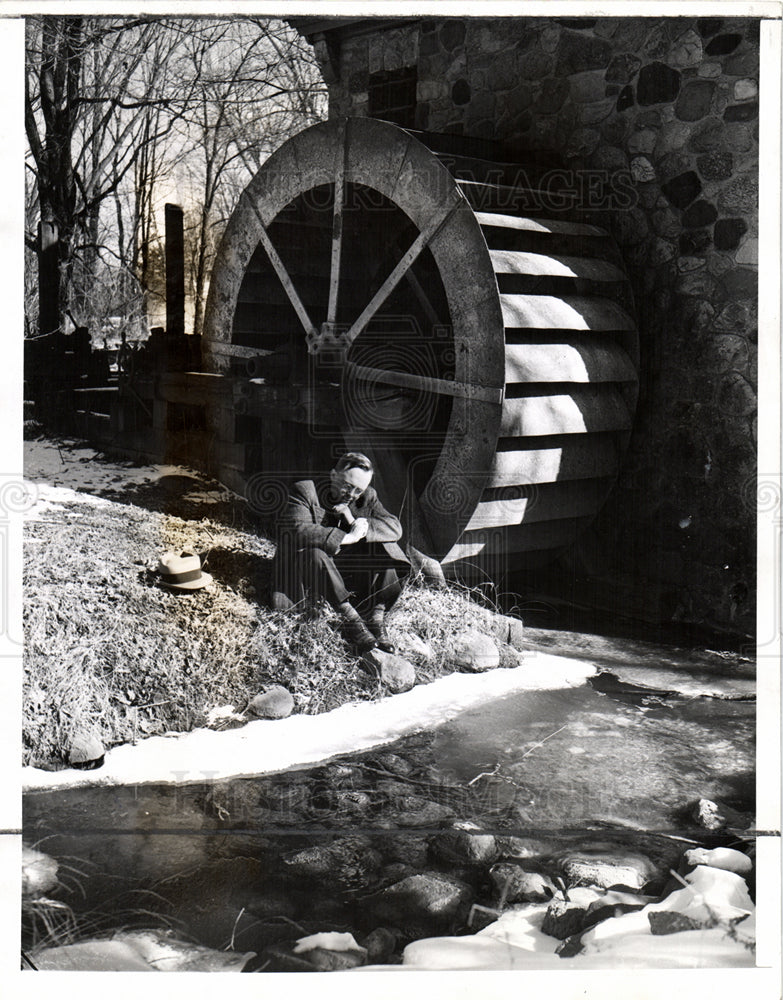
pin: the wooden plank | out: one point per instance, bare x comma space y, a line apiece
528, 263
539, 502
579, 411
315, 405
285, 281
204, 383
424, 299
424, 383
141, 387
234, 350
584, 360
500, 221
193, 392
574, 457
572, 312
94, 426
337, 224
493, 196
538, 537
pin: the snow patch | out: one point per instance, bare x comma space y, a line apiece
45, 499
267, 746
515, 940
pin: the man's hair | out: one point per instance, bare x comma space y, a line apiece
353, 460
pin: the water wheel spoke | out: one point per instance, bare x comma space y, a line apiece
337, 226
424, 383
285, 280
424, 299
401, 269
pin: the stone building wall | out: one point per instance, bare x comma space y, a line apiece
670, 106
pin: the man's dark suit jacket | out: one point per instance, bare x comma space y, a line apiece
309, 522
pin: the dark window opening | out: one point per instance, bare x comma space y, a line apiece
392, 96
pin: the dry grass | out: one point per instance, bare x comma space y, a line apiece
108, 650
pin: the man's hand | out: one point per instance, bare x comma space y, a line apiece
359, 529
344, 511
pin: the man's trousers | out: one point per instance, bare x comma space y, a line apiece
364, 574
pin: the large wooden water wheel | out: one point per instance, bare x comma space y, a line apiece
410, 304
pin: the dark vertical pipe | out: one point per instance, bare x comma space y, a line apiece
175, 272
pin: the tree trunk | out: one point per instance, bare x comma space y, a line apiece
59, 84
48, 278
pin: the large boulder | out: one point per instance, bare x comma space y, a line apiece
671, 922
719, 857
410, 644
465, 842
274, 703
394, 763
510, 631
86, 751
426, 903
614, 903
515, 885
525, 847
564, 918
349, 862
380, 944
416, 811
586, 907
311, 957
151, 950
330, 950
607, 869
395, 672
474, 652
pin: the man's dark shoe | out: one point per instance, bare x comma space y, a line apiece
382, 640
356, 632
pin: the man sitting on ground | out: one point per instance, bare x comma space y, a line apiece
336, 540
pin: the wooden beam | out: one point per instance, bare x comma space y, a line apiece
236, 350
285, 278
425, 383
175, 271
423, 298
337, 224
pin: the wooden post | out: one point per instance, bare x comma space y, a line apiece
48, 278
175, 272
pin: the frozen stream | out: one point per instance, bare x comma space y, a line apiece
602, 762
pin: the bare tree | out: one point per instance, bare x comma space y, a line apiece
257, 84
115, 107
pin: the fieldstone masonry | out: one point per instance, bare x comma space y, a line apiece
670, 108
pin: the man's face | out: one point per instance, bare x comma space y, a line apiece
349, 484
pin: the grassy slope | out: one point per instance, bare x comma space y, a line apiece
107, 649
